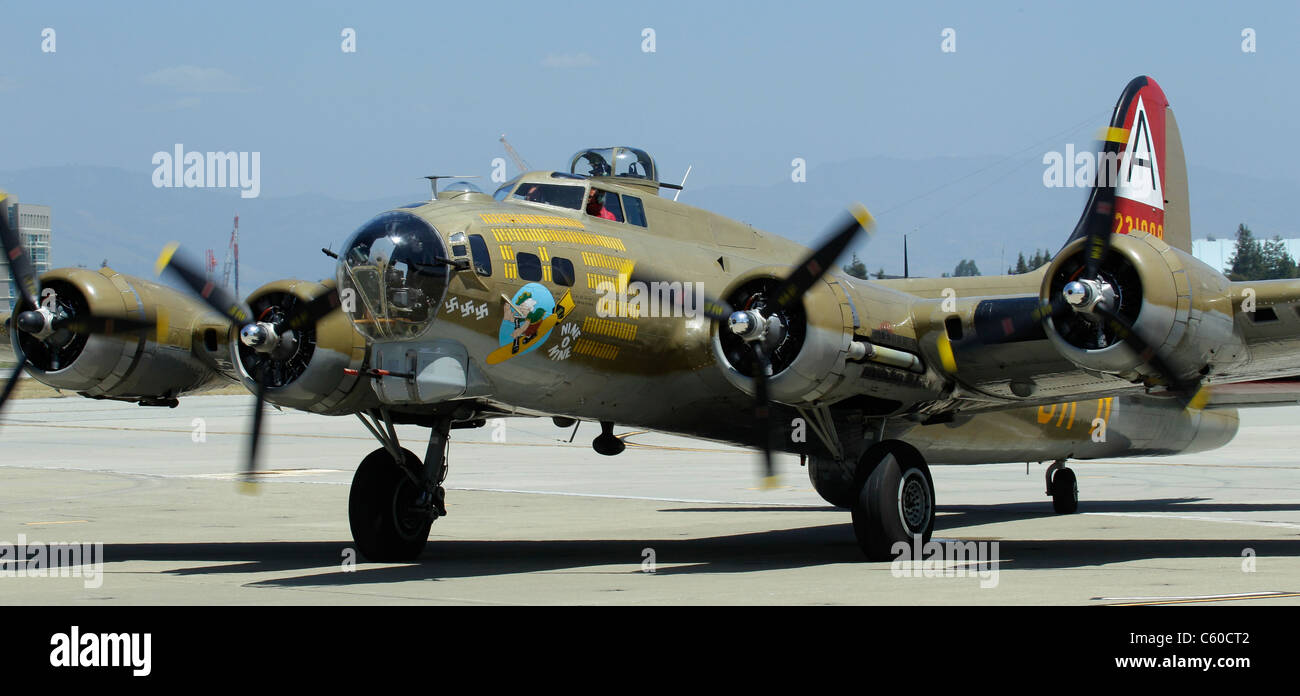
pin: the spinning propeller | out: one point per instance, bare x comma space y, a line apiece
760, 326
1092, 297
277, 336
50, 322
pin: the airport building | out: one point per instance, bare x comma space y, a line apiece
33, 225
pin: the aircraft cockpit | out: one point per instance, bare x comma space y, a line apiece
620, 162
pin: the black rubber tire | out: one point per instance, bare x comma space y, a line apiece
895, 504
1065, 492
377, 488
834, 480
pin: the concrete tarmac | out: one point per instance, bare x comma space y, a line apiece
535, 519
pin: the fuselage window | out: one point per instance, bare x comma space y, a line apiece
604, 204
562, 271
550, 194
482, 259
635, 211
530, 267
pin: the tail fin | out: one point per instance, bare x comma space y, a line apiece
1142, 175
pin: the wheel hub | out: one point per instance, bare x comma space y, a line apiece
409, 513
914, 502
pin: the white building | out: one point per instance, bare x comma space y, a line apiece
33, 225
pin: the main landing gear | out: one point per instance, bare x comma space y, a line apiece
1063, 486
895, 501
395, 498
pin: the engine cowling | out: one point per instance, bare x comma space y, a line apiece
185, 353
307, 373
1180, 306
810, 362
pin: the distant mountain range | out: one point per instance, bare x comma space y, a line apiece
988, 210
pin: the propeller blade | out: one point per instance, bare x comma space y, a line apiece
812, 268
13, 379
248, 478
1099, 223
1034, 319
763, 412
313, 311
1124, 332
104, 326
218, 298
20, 263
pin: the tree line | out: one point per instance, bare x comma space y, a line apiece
1252, 259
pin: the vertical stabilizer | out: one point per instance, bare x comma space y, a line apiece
1141, 173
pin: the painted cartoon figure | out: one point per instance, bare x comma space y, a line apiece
527, 320
527, 316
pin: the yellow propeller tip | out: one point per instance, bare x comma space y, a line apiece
862, 215
161, 324
1201, 398
771, 482
946, 356
248, 488
165, 257
1113, 135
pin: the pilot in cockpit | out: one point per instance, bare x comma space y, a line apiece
596, 208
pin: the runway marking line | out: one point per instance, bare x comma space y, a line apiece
1156, 601
1196, 518
30, 524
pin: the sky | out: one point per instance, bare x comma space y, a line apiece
734, 90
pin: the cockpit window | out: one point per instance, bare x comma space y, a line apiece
634, 163
635, 210
592, 162
392, 276
615, 161
504, 190
550, 194
604, 204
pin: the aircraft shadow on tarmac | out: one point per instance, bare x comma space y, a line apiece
951, 516
317, 563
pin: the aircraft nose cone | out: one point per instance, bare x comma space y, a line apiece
30, 322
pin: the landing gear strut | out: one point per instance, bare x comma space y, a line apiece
895, 500
1063, 486
394, 498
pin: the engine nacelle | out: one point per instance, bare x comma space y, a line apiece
185, 353
815, 361
308, 375
1180, 306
